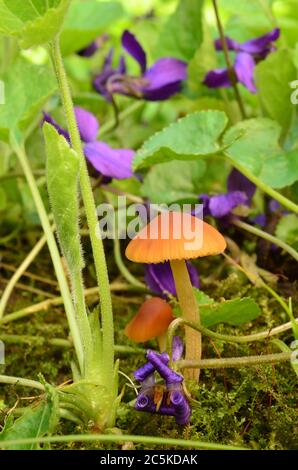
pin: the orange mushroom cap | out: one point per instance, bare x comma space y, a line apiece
175, 236
151, 321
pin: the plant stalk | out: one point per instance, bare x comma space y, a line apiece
190, 312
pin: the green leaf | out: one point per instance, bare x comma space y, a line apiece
35, 422
86, 21
182, 34
273, 76
33, 22
255, 145
192, 137
174, 181
287, 229
234, 312
27, 87
62, 182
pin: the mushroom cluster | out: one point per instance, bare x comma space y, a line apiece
177, 237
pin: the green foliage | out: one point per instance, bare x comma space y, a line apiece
24, 97
182, 34
234, 312
255, 144
174, 181
273, 76
36, 421
287, 229
193, 136
33, 23
62, 182
86, 21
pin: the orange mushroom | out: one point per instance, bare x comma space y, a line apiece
176, 237
151, 321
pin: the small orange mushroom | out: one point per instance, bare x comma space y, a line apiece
176, 237
151, 321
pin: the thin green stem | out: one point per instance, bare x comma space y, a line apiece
267, 236
6, 379
46, 304
245, 361
70, 313
262, 335
108, 126
90, 208
264, 187
19, 272
122, 268
38, 340
228, 61
149, 440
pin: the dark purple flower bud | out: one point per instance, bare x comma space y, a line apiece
134, 48
159, 278
182, 408
148, 369
165, 372
238, 182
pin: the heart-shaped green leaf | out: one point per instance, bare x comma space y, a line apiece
192, 137
33, 22
255, 145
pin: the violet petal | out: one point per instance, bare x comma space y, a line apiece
238, 182
134, 48
244, 69
88, 125
116, 163
261, 43
147, 369
222, 204
232, 45
164, 72
218, 78
177, 348
166, 373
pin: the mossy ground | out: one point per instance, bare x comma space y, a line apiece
254, 407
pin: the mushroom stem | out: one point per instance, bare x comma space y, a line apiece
190, 311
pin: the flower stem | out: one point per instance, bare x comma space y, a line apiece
263, 186
236, 361
6, 379
90, 208
19, 272
70, 313
190, 312
267, 236
149, 440
227, 59
122, 268
262, 335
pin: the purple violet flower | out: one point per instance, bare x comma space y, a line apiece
240, 192
112, 163
156, 83
248, 54
159, 278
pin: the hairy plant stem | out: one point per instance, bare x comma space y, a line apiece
227, 59
267, 236
90, 209
245, 361
190, 312
63, 285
